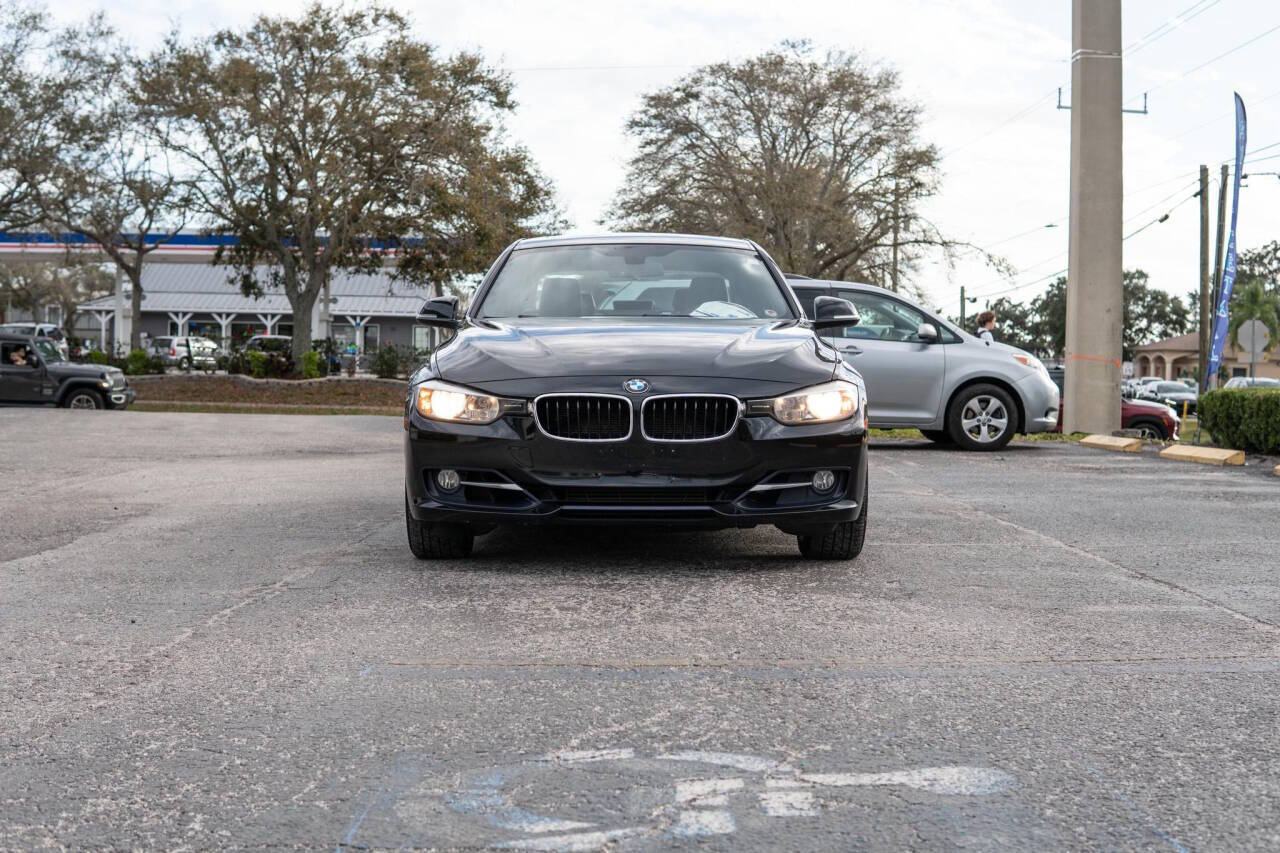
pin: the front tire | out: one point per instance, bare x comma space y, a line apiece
84, 398
982, 417
842, 542
437, 541
1151, 430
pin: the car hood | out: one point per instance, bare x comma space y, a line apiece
69, 369
778, 352
1148, 404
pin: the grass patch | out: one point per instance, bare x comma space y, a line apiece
259, 409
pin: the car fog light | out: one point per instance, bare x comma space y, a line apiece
824, 481
448, 479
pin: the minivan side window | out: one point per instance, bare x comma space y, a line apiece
883, 317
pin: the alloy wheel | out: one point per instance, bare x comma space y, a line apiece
984, 418
83, 401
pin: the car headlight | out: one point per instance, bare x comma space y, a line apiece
1032, 362
442, 402
834, 401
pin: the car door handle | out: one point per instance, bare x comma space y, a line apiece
851, 349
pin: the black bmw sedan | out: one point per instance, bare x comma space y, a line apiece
661, 380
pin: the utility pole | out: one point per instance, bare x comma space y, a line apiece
895, 237
1095, 277
1206, 311
962, 306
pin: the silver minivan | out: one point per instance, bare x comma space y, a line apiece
185, 352
924, 372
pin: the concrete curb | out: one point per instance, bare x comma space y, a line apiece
1203, 455
1113, 442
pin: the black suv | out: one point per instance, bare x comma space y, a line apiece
33, 371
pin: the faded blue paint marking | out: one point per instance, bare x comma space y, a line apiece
368, 669
404, 770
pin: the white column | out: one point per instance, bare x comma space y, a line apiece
270, 320
118, 321
357, 322
103, 317
180, 320
224, 322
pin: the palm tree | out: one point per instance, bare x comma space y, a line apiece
1254, 302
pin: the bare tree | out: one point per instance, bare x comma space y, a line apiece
818, 159
108, 178
35, 286
335, 139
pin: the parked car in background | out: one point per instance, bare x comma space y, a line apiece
1175, 395
1153, 420
925, 372
51, 331
1252, 382
34, 372
185, 352
269, 343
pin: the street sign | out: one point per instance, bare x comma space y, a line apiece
1253, 339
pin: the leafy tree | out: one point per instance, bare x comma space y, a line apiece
1262, 264
1050, 311
32, 86
1150, 314
107, 178
323, 142
1254, 302
808, 156
1015, 324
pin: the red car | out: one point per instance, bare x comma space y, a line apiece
1153, 420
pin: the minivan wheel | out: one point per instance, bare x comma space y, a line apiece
184, 363
84, 398
982, 417
437, 541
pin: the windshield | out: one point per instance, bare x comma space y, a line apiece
635, 281
48, 350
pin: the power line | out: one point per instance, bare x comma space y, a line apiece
1209, 62
1162, 218
1010, 120
1171, 25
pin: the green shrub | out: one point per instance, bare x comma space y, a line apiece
98, 357
312, 365
386, 362
135, 363
256, 364
155, 364
1242, 418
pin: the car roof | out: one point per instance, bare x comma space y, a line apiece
624, 238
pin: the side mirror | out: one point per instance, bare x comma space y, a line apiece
830, 312
928, 333
440, 311
33, 360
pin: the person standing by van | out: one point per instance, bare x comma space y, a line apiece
986, 322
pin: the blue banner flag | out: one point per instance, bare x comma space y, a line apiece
1229, 269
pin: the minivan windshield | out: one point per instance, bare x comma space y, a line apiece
627, 280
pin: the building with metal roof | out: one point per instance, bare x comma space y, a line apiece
202, 299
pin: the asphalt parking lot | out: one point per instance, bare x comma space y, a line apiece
213, 634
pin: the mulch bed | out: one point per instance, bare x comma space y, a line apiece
232, 389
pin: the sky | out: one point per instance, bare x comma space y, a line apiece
984, 72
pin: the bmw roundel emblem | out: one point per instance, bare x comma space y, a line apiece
636, 386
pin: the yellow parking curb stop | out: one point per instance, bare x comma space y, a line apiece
1204, 455
1113, 442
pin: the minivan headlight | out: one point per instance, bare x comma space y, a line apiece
440, 401
827, 403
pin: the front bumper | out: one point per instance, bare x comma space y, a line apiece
1040, 401
120, 398
514, 474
